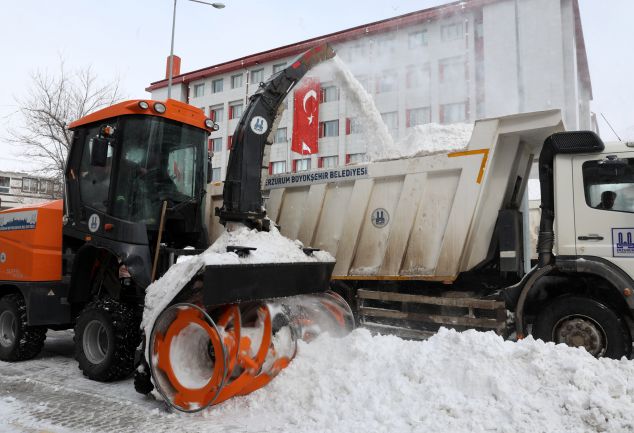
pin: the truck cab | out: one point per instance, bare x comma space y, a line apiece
595, 206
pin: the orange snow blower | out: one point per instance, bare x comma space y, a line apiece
134, 202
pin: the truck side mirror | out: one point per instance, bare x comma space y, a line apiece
209, 169
99, 152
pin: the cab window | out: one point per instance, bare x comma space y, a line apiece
94, 181
609, 184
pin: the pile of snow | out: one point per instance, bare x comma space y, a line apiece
453, 382
434, 138
421, 140
271, 247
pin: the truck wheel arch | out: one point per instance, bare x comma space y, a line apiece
611, 291
8, 289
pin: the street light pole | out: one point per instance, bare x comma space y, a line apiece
171, 62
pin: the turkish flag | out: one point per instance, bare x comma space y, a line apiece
306, 118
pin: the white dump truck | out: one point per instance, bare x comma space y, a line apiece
441, 239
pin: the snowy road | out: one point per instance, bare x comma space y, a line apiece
50, 394
453, 382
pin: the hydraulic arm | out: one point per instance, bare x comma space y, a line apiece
242, 195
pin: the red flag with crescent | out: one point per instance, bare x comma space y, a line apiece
306, 118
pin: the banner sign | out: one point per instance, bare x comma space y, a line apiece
306, 118
24, 220
323, 176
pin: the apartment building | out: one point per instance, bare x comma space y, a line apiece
453, 63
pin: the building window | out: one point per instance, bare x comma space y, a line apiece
280, 136
417, 39
452, 70
199, 90
217, 85
215, 174
216, 144
418, 77
391, 120
329, 128
329, 94
29, 185
387, 82
452, 113
257, 76
277, 167
235, 110
353, 126
359, 50
355, 158
386, 44
45, 186
236, 81
278, 67
229, 142
217, 113
301, 164
5, 184
328, 161
451, 32
418, 116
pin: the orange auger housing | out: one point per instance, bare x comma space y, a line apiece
197, 361
31, 242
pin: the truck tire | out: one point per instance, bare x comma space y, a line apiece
584, 322
18, 341
106, 336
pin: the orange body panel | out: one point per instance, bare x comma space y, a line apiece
31, 242
174, 110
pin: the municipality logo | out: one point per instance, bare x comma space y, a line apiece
259, 125
380, 218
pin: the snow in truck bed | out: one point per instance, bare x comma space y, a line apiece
452, 383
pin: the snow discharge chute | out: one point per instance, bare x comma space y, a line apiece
201, 357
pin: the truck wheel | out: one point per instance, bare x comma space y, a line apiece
106, 336
584, 322
18, 341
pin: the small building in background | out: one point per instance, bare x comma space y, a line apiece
18, 189
454, 63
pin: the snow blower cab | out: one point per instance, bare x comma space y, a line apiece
126, 162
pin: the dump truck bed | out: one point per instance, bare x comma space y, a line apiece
422, 218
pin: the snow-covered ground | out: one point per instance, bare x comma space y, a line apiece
453, 382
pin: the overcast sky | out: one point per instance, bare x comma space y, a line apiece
130, 39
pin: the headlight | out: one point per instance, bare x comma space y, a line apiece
209, 123
143, 105
159, 107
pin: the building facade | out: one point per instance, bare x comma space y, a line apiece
454, 63
18, 189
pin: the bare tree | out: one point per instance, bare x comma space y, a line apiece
52, 102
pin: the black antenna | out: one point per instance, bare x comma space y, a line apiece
606, 121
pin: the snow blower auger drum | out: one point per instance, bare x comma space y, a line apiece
201, 357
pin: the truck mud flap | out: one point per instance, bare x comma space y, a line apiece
228, 284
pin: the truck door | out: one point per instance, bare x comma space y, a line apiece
603, 188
